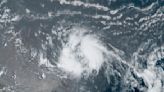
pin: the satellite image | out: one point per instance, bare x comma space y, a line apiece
81, 45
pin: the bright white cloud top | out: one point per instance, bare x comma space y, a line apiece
83, 54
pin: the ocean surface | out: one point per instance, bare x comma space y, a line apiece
81, 45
